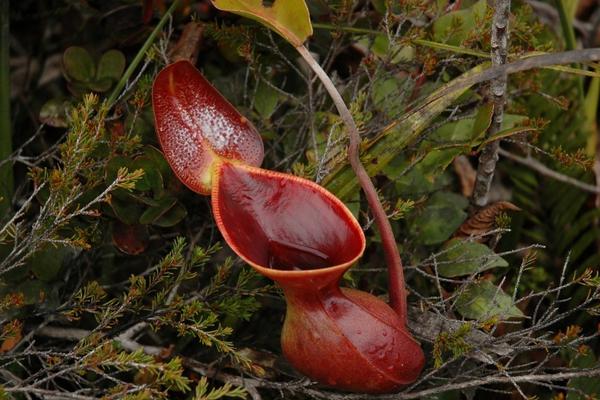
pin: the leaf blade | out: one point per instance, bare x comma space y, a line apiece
289, 18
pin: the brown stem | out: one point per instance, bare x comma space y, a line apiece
397, 290
188, 45
489, 156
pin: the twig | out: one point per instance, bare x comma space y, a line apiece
543, 170
489, 155
48, 394
75, 335
533, 378
55, 332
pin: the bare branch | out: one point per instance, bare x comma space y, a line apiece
489, 154
550, 173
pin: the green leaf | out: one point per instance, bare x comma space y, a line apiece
265, 100
33, 291
125, 207
172, 217
46, 263
506, 133
153, 213
159, 159
483, 300
416, 183
116, 163
381, 47
152, 179
100, 85
440, 218
289, 18
483, 120
387, 95
466, 258
78, 89
167, 213
111, 66
453, 28
79, 65
586, 387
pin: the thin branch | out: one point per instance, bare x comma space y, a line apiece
48, 394
550, 173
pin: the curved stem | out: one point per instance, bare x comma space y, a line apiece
141, 54
397, 291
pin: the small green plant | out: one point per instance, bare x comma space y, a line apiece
84, 74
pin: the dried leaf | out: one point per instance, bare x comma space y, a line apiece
484, 220
14, 334
188, 45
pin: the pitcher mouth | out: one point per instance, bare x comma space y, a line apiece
283, 225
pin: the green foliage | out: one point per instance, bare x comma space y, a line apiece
266, 99
465, 258
484, 300
452, 342
454, 28
84, 74
202, 391
440, 218
585, 387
